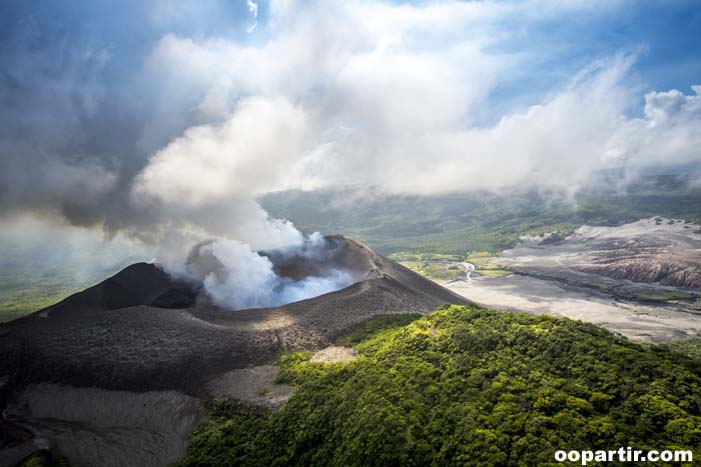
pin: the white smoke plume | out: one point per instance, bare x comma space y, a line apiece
164, 120
237, 277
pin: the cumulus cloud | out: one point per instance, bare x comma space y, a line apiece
168, 129
245, 154
669, 132
390, 96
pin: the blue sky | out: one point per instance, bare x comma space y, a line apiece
666, 34
126, 115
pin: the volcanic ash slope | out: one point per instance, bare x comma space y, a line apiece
158, 344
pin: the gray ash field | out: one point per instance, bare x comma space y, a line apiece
141, 331
639, 279
655, 259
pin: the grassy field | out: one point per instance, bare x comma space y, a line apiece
23, 293
435, 271
436, 267
485, 265
442, 267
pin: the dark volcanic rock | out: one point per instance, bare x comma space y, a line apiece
140, 330
138, 284
176, 297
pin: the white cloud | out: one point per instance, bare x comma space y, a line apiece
388, 95
244, 155
253, 9
669, 133
32, 244
202, 183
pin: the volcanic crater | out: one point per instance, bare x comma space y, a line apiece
142, 331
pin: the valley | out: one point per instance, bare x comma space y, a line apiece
640, 321
653, 297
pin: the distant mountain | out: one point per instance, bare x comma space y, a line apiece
482, 221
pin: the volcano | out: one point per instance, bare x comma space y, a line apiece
143, 332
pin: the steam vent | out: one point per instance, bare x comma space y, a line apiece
140, 330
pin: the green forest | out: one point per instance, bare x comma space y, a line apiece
457, 224
465, 386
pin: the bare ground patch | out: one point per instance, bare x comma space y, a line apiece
335, 354
255, 385
525, 294
92, 426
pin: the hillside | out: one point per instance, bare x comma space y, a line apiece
466, 386
477, 221
115, 375
140, 330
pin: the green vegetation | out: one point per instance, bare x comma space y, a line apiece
44, 458
435, 270
435, 266
378, 325
466, 386
404, 256
460, 223
485, 265
22, 302
671, 297
21, 294
36, 274
690, 347
442, 267
668, 296
30, 282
